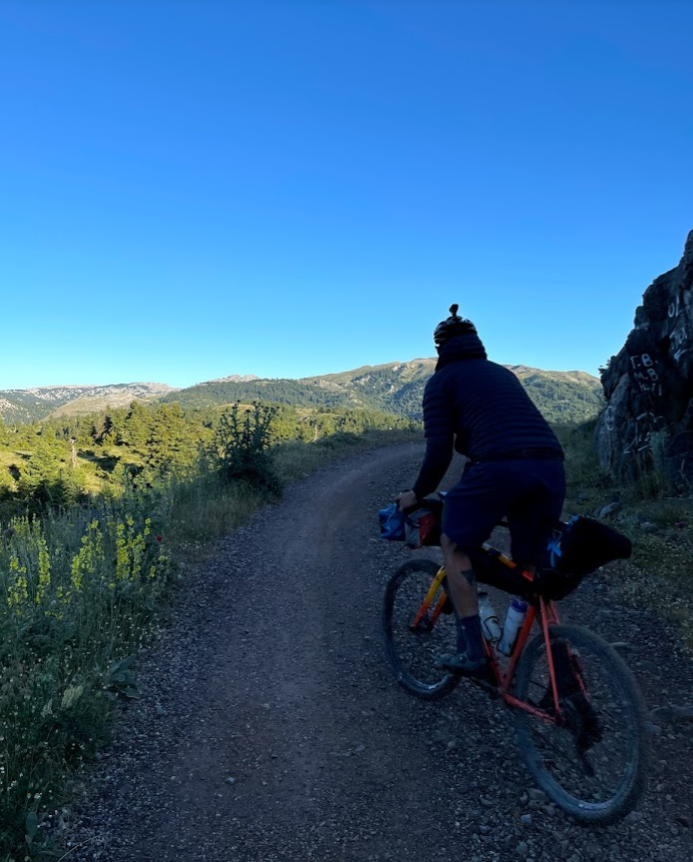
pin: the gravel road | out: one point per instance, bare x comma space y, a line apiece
270, 727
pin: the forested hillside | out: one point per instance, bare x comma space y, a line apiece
562, 396
62, 460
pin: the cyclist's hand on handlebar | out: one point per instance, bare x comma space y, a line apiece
406, 500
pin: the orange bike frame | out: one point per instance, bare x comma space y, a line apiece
430, 595
547, 615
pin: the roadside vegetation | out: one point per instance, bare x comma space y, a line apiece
654, 513
97, 523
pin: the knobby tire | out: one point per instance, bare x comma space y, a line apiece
412, 654
594, 768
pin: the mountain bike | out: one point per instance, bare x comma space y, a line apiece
578, 712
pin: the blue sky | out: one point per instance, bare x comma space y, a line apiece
190, 190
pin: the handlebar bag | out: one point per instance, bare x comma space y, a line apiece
392, 523
424, 526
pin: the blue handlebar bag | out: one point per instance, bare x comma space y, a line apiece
392, 523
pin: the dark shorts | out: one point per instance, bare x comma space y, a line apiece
528, 493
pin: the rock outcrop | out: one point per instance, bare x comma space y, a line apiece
648, 385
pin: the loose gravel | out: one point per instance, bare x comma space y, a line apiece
270, 727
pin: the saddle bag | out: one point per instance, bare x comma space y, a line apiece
576, 548
581, 545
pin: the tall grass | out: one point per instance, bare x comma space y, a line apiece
585, 478
77, 595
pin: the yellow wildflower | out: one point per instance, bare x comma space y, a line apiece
44, 567
90, 556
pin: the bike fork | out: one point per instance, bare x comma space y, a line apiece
430, 595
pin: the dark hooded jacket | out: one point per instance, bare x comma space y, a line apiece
479, 407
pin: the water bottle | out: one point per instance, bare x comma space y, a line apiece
512, 625
489, 620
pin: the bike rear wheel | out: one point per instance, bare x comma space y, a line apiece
592, 759
412, 648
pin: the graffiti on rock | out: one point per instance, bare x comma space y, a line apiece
679, 335
643, 371
644, 426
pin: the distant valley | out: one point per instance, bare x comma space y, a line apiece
396, 387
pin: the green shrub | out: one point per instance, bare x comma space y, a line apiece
240, 448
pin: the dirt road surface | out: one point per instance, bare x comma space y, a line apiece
270, 727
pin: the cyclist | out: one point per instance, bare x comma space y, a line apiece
514, 471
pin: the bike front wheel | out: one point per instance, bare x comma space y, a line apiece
590, 755
414, 641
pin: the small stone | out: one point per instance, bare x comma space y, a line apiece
684, 821
486, 802
608, 510
230, 780
522, 848
537, 794
650, 666
662, 714
526, 819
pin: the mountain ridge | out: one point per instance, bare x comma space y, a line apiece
18, 406
392, 387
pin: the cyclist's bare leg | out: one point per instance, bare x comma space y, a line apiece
462, 588
460, 575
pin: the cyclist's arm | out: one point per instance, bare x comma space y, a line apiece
435, 465
439, 439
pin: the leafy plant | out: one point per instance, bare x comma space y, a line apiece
119, 679
240, 448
